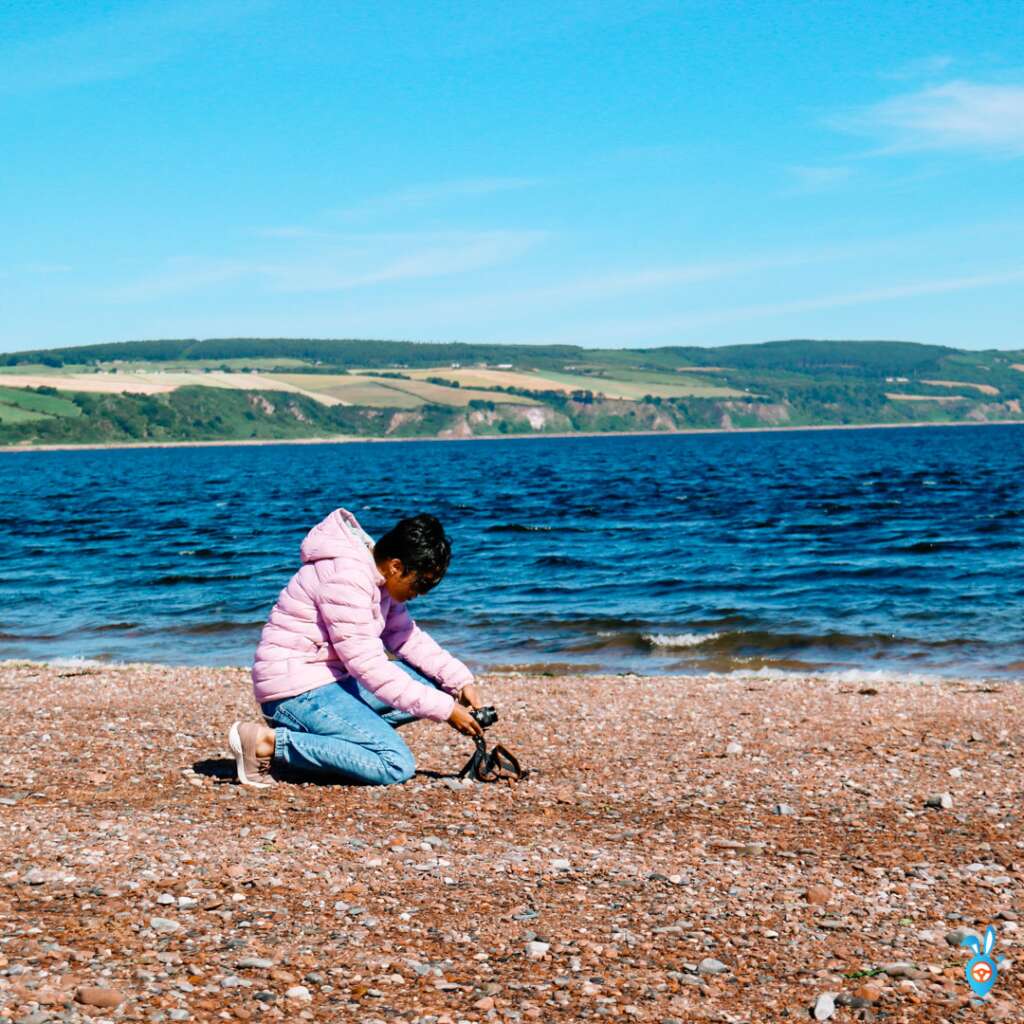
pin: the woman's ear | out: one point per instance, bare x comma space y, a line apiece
392, 568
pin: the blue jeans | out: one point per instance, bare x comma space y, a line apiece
342, 730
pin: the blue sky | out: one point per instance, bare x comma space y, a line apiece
597, 173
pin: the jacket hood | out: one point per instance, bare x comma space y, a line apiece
338, 535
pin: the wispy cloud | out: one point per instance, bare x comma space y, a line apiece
345, 264
597, 287
119, 45
48, 268
955, 115
922, 67
818, 179
431, 194
840, 300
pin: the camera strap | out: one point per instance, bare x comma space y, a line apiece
492, 765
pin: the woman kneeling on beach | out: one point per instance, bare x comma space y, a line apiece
331, 698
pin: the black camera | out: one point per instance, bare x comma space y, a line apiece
485, 717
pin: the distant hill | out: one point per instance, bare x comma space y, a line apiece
239, 388
861, 356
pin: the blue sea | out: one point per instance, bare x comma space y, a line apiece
870, 552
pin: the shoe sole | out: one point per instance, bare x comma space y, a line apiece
235, 743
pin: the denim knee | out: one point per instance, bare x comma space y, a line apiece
398, 767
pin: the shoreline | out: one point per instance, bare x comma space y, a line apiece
348, 439
683, 848
850, 675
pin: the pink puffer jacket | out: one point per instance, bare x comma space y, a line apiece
335, 618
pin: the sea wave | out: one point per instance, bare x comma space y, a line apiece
678, 639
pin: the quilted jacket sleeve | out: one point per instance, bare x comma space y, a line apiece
346, 604
420, 651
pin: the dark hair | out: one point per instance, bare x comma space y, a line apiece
422, 547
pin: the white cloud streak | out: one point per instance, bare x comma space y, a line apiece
864, 297
432, 194
956, 115
344, 265
117, 46
922, 67
818, 179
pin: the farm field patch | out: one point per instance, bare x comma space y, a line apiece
15, 414
985, 389
657, 386
438, 394
32, 401
625, 383
941, 399
350, 390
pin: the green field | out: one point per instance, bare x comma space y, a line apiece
13, 414
389, 392
23, 406
634, 384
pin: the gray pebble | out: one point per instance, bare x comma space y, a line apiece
783, 809
824, 1006
900, 969
259, 962
709, 965
957, 935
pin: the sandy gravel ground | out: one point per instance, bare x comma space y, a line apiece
685, 850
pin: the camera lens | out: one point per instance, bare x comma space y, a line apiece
485, 717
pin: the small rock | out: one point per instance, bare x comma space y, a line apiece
107, 998
957, 935
561, 865
455, 784
870, 992
818, 895
784, 809
178, 1014
37, 1017
165, 899
299, 994
259, 962
900, 969
35, 877
956, 773
999, 1010
944, 801
485, 1004
734, 748
537, 949
709, 965
163, 924
824, 1006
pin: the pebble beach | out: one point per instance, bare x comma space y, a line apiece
724, 848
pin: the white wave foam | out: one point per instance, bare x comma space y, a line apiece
75, 661
678, 639
852, 676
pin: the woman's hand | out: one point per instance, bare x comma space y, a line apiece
469, 697
464, 722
